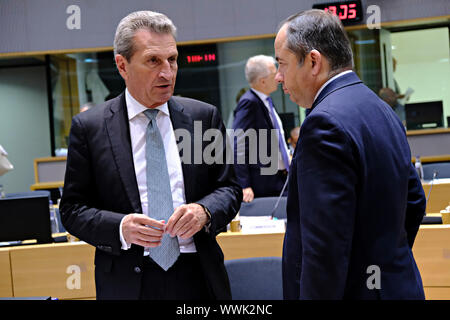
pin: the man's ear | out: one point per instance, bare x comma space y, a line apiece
122, 64
316, 61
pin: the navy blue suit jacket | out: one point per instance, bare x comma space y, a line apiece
251, 113
354, 201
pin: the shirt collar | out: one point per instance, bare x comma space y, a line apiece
261, 95
329, 81
135, 108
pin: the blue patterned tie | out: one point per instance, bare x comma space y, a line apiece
160, 205
281, 142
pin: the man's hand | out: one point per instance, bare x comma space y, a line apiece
140, 229
248, 194
186, 220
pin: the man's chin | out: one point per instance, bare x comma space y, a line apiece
293, 99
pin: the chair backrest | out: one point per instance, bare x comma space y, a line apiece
431, 220
264, 207
255, 278
49, 169
442, 169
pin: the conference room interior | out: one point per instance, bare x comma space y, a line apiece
41, 91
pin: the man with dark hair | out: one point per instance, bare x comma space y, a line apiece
355, 202
152, 217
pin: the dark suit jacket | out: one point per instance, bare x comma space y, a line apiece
100, 188
251, 113
354, 201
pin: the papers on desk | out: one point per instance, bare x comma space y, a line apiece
438, 181
262, 224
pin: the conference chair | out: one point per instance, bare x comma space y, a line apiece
255, 278
442, 170
264, 207
431, 220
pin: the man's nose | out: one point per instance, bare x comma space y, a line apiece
166, 71
279, 77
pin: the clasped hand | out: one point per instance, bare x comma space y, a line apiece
144, 231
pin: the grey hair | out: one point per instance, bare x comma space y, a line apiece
322, 31
257, 67
147, 20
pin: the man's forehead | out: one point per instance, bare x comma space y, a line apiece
145, 39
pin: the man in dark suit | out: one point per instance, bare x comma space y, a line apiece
255, 111
152, 217
355, 202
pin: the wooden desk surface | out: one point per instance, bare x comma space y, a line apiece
439, 196
236, 245
62, 270
427, 131
47, 185
6, 288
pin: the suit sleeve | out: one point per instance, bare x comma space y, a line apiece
97, 227
327, 198
224, 200
416, 206
244, 119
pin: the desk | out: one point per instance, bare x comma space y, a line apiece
6, 289
236, 245
44, 270
432, 253
47, 185
61, 270
439, 196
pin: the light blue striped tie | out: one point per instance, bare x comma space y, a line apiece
160, 205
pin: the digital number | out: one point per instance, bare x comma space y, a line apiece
352, 11
343, 11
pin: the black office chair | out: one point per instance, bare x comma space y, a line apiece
264, 207
442, 170
255, 278
431, 220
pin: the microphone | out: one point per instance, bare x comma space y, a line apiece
435, 173
279, 198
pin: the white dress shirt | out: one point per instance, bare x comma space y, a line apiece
138, 126
264, 97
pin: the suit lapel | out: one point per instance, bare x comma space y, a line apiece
117, 125
264, 110
182, 120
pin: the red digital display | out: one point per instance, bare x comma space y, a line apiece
198, 58
347, 11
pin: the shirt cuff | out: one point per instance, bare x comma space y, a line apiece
125, 245
208, 213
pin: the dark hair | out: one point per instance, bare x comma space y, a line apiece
322, 31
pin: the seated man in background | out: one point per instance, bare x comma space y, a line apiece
255, 110
293, 140
391, 98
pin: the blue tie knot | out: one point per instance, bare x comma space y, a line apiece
151, 113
